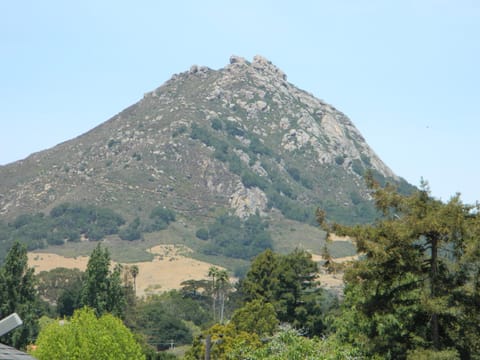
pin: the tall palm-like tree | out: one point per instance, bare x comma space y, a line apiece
213, 272
223, 286
134, 270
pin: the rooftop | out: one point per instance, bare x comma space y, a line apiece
10, 353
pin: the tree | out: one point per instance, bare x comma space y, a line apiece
134, 270
17, 294
61, 287
289, 283
255, 317
416, 278
69, 299
52, 284
222, 342
132, 231
262, 280
222, 287
87, 337
231, 236
102, 289
288, 344
160, 321
213, 273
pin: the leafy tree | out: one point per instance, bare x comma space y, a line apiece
70, 220
87, 337
161, 218
69, 299
102, 289
417, 279
52, 284
230, 236
289, 283
223, 343
255, 317
159, 325
288, 344
202, 234
132, 231
195, 289
17, 294
184, 308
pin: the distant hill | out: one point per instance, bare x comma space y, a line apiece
241, 139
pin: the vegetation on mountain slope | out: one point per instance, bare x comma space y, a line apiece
413, 294
237, 140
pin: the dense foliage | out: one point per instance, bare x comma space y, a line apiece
17, 294
102, 288
415, 290
72, 222
288, 282
87, 337
62, 287
413, 293
232, 237
161, 319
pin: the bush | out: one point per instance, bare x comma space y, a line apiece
132, 232
202, 234
164, 214
217, 124
250, 179
294, 173
160, 325
258, 147
179, 131
232, 237
357, 167
339, 159
233, 128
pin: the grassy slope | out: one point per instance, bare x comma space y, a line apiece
287, 235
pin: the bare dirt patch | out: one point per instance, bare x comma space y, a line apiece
169, 268
333, 281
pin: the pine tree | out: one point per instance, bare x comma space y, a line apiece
288, 282
405, 293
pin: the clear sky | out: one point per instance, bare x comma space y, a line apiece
407, 73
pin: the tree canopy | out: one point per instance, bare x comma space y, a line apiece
288, 282
18, 294
416, 285
102, 288
86, 337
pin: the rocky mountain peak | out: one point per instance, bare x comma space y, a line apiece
241, 138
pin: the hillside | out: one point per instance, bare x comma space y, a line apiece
241, 139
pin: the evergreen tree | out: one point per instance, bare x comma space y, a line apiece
408, 290
102, 288
18, 294
289, 283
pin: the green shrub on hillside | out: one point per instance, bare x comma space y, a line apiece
232, 237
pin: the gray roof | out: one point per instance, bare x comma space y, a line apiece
9, 353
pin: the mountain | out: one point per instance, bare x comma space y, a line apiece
241, 138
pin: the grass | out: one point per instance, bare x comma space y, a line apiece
286, 234
289, 234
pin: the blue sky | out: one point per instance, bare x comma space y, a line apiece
405, 72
